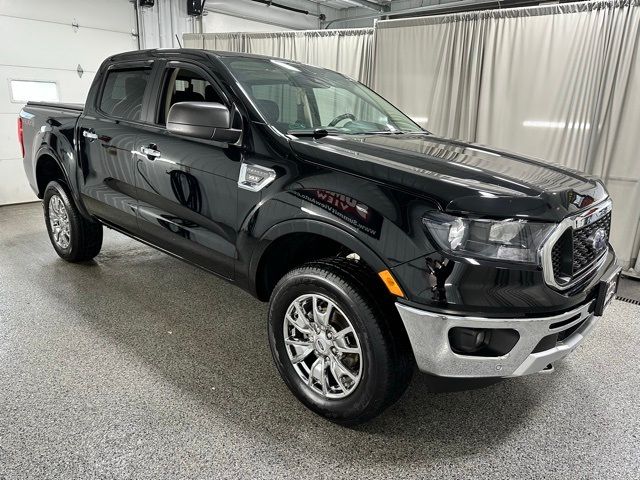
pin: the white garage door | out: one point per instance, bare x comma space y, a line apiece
40, 51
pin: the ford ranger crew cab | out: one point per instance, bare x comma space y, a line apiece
379, 246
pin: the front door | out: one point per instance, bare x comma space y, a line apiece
107, 135
187, 188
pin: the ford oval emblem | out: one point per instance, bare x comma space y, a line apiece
599, 239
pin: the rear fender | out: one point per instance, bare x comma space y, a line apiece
66, 159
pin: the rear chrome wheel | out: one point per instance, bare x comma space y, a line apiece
323, 346
59, 221
74, 237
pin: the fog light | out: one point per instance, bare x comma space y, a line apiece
467, 340
482, 342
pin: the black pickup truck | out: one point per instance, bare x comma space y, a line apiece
380, 246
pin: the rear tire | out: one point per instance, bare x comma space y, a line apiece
377, 376
74, 238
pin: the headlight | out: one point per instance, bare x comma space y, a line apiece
511, 240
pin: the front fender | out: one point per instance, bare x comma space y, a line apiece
382, 226
307, 225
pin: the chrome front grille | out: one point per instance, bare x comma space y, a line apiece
556, 258
573, 250
584, 253
562, 256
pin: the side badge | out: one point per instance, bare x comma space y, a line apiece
255, 177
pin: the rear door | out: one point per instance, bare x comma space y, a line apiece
187, 188
107, 134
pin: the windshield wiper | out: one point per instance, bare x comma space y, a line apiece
324, 131
313, 132
381, 132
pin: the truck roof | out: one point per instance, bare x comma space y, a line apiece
141, 54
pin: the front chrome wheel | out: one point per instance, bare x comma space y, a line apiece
323, 346
59, 221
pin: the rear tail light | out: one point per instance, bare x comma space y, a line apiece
21, 135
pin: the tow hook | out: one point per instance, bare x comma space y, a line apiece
548, 369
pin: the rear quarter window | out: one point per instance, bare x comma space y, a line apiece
123, 93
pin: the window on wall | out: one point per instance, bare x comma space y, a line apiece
23, 91
123, 92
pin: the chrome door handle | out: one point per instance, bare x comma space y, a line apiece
150, 152
89, 134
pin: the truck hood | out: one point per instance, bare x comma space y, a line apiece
463, 178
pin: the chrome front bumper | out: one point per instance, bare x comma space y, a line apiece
429, 336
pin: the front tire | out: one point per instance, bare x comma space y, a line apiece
337, 340
74, 238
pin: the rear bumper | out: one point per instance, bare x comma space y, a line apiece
429, 336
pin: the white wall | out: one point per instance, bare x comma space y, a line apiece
39, 43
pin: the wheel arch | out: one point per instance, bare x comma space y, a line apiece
272, 248
48, 166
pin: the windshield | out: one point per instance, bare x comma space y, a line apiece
294, 98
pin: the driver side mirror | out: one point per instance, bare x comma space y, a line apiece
206, 120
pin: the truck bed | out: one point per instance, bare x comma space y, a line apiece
48, 127
75, 107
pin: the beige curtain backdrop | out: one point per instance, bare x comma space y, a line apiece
555, 82
346, 51
192, 40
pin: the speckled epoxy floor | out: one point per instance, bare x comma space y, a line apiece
140, 366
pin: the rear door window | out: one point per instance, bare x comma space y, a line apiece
123, 93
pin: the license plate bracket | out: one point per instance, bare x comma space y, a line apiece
607, 290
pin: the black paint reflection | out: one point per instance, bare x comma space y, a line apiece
187, 192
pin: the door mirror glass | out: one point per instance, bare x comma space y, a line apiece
206, 120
